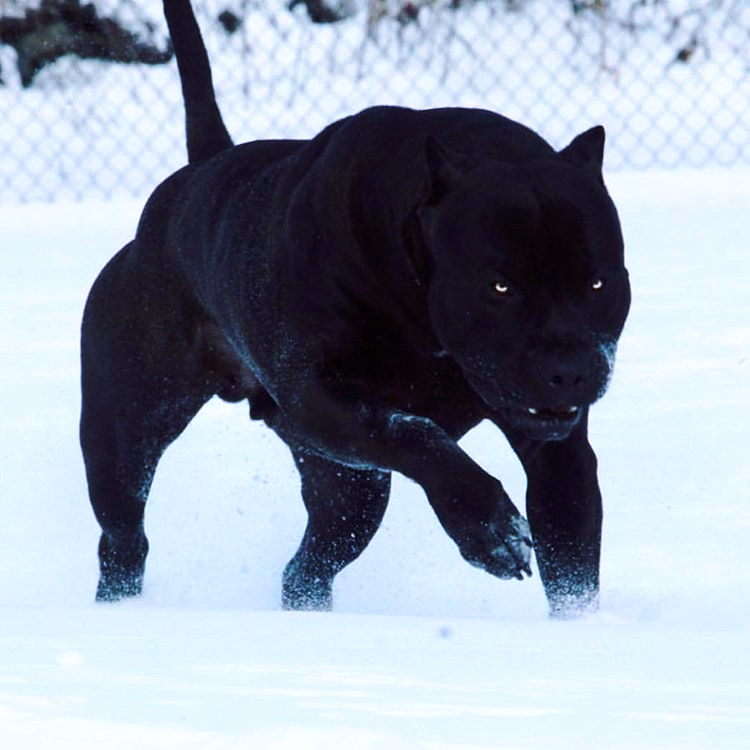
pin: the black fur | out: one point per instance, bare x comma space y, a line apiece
374, 293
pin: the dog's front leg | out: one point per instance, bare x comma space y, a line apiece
470, 504
564, 507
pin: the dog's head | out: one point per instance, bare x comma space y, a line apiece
528, 291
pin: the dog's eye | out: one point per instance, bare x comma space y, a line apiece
598, 284
501, 287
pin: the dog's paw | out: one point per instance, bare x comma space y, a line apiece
303, 590
122, 561
110, 590
514, 554
503, 548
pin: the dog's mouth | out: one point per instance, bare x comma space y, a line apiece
548, 423
560, 412
542, 423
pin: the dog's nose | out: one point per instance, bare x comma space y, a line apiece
563, 377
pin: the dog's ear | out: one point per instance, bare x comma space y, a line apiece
445, 168
587, 151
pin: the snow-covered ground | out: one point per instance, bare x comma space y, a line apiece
422, 651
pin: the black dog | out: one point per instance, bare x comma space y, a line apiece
374, 293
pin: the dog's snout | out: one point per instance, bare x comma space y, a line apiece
565, 377
562, 377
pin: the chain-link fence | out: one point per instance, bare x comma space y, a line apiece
670, 79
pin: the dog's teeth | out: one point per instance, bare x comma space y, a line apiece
561, 410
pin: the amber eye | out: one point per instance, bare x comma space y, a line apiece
502, 288
598, 284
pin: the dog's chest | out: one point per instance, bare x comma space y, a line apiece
432, 387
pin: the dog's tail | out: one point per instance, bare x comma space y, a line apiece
205, 130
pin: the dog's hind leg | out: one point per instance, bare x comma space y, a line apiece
139, 391
122, 444
345, 507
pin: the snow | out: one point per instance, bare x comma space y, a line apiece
422, 650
